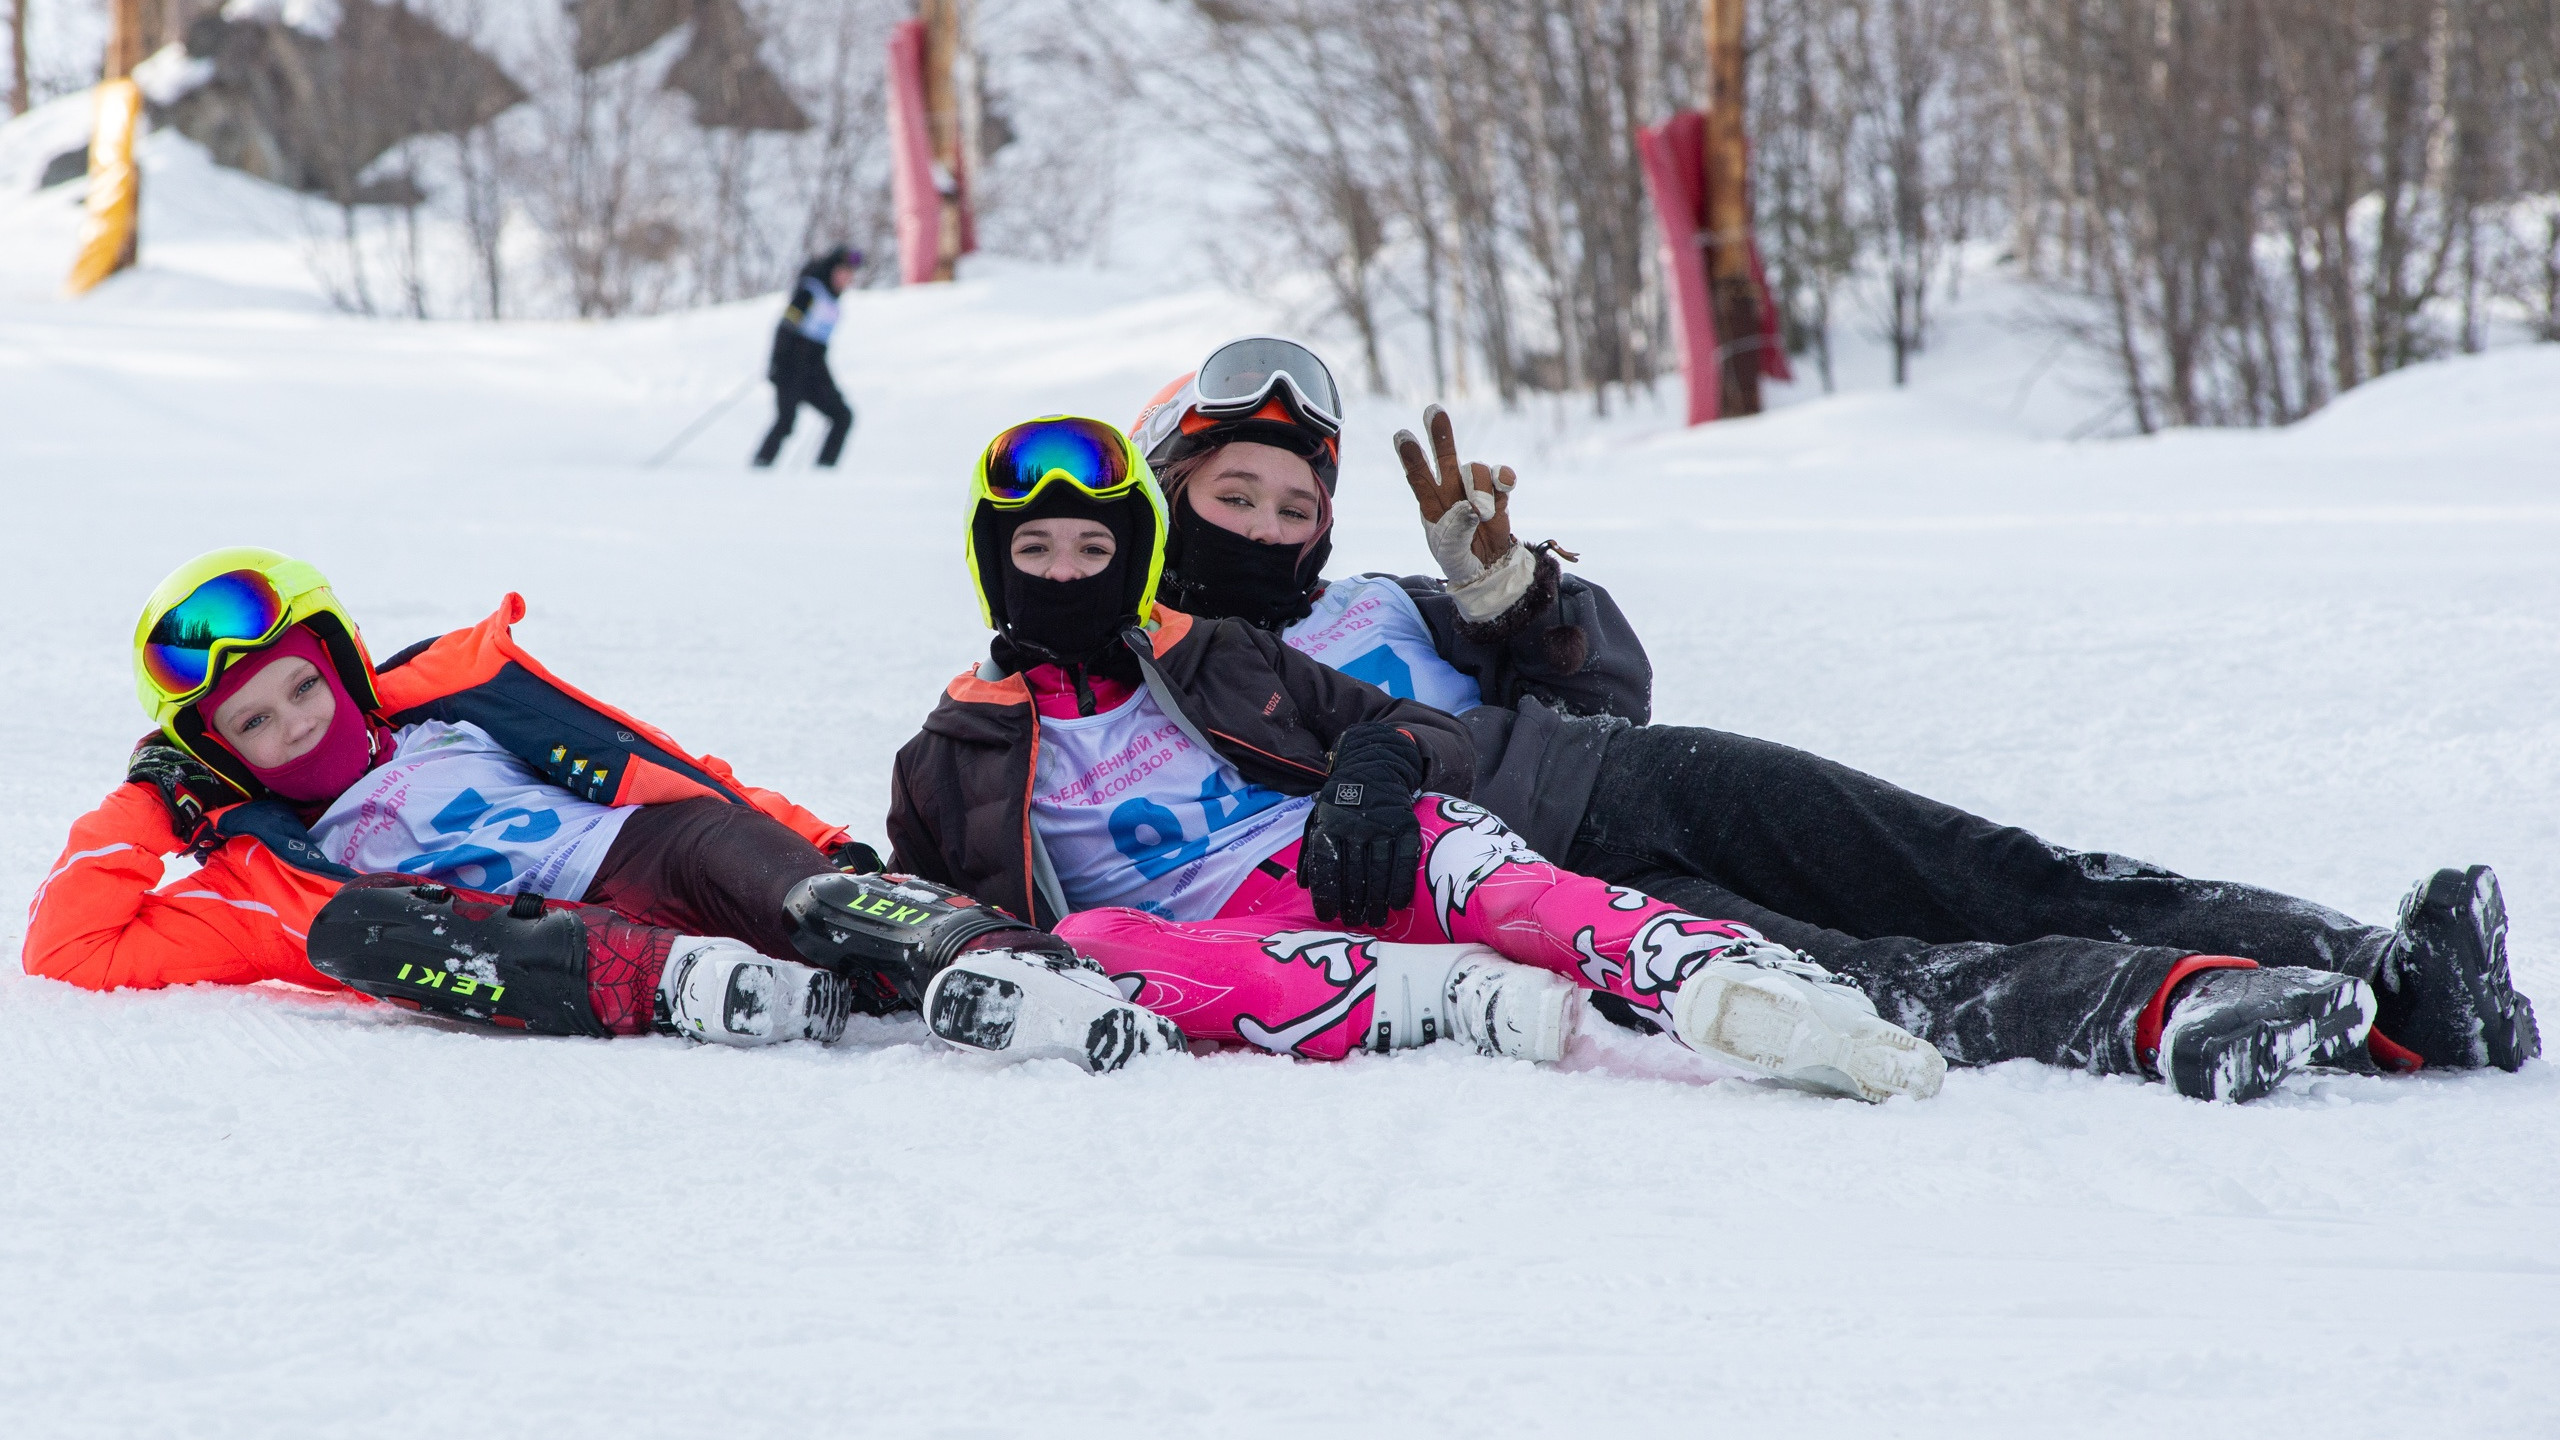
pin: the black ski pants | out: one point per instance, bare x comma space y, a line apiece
707, 867
1980, 938
807, 383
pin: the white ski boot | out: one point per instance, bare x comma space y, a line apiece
1470, 993
1779, 1015
1043, 1007
722, 993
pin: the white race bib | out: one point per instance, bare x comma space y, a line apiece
454, 805
1369, 629
1135, 814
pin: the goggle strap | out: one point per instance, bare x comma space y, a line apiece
1112, 492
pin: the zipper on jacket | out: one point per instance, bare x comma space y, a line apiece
1155, 682
1267, 755
1031, 872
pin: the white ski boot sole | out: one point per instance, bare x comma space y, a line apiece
719, 992
1782, 1027
1024, 1007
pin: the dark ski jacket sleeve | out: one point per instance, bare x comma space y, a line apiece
1565, 643
1560, 671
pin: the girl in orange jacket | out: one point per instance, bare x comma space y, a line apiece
288, 764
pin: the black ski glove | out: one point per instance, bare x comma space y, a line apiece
1363, 843
855, 858
187, 790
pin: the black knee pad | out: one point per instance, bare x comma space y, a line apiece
899, 929
457, 953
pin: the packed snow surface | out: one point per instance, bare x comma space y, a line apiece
2322, 660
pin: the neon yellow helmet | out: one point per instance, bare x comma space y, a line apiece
1089, 455
220, 606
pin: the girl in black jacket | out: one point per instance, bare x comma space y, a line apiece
1988, 942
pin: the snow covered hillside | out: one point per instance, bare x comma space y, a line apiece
2322, 660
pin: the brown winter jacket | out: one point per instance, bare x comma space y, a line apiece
960, 801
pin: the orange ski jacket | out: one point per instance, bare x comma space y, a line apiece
103, 920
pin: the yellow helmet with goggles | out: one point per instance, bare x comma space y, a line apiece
1091, 456
220, 606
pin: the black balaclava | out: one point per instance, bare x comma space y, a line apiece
1214, 573
1075, 624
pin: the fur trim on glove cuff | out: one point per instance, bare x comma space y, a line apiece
1565, 649
1533, 602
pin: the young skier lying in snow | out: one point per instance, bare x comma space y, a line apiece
1263, 849
405, 814
1980, 938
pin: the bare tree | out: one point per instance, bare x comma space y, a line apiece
2272, 201
18, 95
1465, 164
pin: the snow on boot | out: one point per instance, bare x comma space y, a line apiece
1469, 993
1043, 1007
2235, 1034
718, 991
504, 962
2445, 990
1778, 1015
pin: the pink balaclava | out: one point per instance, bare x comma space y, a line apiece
343, 755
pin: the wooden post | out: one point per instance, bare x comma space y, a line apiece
1728, 153
128, 44
945, 43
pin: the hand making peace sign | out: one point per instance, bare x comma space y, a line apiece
1465, 508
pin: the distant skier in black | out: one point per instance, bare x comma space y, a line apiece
799, 366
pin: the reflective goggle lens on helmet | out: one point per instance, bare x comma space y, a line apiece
241, 606
1240, 375
1086, 453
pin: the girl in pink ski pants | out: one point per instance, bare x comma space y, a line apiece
1267, 972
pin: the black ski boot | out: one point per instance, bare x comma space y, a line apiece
2445, 990
523, 963
891, 934
509, 962
2235, 1034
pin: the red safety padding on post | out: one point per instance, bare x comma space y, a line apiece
919, 203
1674, 156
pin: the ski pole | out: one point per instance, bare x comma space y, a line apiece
715, 412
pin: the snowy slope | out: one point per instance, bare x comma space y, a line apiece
2320, 660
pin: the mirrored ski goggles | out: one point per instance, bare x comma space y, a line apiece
1242, 376
235, 611
1023, 461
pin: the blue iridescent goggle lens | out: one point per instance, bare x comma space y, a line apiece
241, 607
1085, 453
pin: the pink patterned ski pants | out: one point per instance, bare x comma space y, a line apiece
1269, 973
